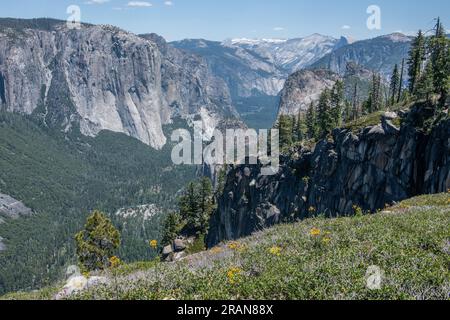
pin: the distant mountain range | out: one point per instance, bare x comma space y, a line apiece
378, 54
256, 69
260, 67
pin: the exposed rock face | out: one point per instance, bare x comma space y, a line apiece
380, 165
12, 208
245, 72
260, 67
304, 87
293, 54
144, 212
103, 78
379, 54
2, 245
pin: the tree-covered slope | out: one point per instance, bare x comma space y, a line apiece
63, 178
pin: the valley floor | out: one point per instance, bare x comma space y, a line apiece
402, 252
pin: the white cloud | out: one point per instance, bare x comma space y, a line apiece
96, 1
278, 29
139, 4
346, 27
168, 3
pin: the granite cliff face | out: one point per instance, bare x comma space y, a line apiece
103, 78
378, 54
377, 166
260, 67
303, 88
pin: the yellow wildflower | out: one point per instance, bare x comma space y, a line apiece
154, 244
276, 251
233, 274
114, 262
312, 209
315, 232
326, 240
236, 246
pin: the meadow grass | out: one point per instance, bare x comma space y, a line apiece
314, 259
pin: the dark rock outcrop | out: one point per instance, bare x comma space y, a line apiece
378, 166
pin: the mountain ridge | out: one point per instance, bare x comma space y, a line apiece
79, 78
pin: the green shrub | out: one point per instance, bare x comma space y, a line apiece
97, 242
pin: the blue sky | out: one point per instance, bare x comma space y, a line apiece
222, 19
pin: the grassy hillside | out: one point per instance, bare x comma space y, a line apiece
64, 178
314, 259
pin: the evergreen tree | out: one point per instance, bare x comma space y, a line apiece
395, 83
378, 96
285, 127
196, 207
300, 127
311, 122
417, 56
189, 207
355, 102
400, 85
425, 86
324, 115
348, 111
440, 59
337, 103
374, 101
206, 206
171, 228
97, 242
367, 105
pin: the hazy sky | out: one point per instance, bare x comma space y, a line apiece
222, 19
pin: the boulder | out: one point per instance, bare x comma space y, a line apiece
167, 250
74, 285
179, 256
179, 245
389, 128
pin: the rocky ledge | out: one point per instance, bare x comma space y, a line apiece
379, 165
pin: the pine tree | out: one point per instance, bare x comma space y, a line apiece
206, 206
355, 102
97, 242
311, 122
395, 83
378, 96
374, 103
337, 103
300, 127
285, 128
425, 85
196, 207
400, 85
189, 207
440, 59
367, 105
171, 228
417, 56
324, 114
